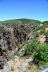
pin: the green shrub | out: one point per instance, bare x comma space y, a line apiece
30, 47
40, 54
36, 34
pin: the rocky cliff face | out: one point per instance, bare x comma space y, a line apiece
10, 37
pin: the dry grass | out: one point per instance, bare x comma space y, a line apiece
33, 68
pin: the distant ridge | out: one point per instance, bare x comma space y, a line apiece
21, 21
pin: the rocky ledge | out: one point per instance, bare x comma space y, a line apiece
17, 65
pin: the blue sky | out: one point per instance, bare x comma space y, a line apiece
33, 9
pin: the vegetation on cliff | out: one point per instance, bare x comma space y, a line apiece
24, 37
